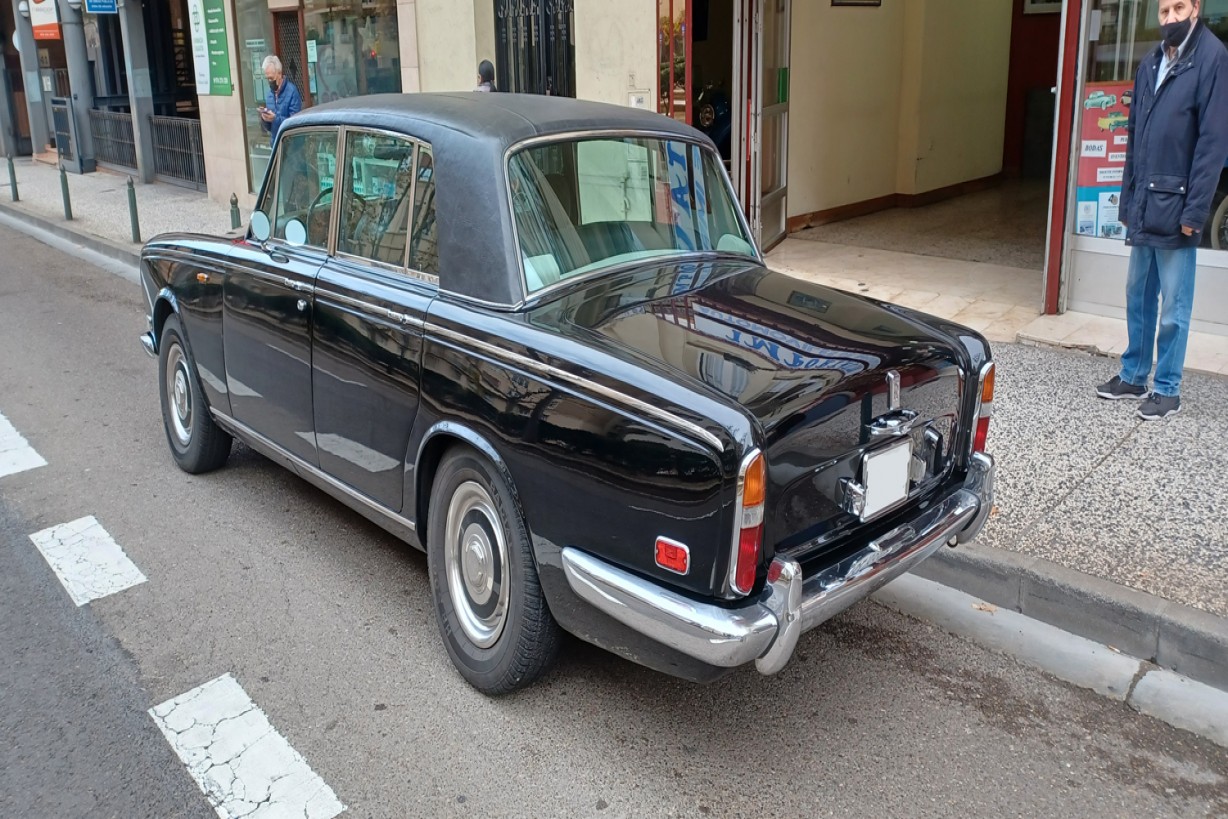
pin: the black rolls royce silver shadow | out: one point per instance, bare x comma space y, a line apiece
534, 338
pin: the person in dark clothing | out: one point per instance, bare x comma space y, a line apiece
486, 76
282, 100
1178, 141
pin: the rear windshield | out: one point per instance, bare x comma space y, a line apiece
588, 204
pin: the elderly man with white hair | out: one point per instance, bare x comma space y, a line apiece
282, 100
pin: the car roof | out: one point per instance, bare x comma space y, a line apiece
469, 134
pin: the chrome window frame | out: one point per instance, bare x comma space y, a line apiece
272, 183
610, 133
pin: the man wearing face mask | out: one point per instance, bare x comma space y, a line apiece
1178, 141
282, 100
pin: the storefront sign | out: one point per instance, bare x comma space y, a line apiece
102, 6
1102, 159
45, 19
210, 49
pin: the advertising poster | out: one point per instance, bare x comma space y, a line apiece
210, 50
1102, 158
45, 19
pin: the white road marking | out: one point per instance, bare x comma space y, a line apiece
243, 766
16, 454
87, 560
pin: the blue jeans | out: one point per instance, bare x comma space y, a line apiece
1160, 285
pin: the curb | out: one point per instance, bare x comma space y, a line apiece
1157, 692
104, 247
1189, 641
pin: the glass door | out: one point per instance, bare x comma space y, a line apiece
761, 115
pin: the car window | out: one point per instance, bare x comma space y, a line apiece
307, 167
423, 250
375, 203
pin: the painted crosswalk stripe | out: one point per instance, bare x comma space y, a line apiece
238, 759
87, 560
16, 454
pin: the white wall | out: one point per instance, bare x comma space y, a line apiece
447, 45
614, 41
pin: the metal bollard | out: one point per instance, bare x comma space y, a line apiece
64, 193
132, 217
235, 218
12, 180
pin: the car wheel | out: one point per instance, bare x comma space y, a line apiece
492, 615
197, 443
1219, 226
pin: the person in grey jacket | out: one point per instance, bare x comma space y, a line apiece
1178, 141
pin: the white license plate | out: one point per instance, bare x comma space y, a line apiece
886, 475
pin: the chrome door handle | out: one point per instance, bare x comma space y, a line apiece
302, 305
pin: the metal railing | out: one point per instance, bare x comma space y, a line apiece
113, 141
179, 155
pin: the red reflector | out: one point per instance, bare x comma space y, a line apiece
673, 555
982, 435
748, 558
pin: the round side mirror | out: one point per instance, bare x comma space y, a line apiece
261, 229
296, 233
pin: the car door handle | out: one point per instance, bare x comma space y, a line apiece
299, 287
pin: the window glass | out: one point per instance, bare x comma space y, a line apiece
423, 250
587, 204
304, 191
1127, 31
376, 199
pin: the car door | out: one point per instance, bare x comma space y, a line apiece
268, 296
370, 310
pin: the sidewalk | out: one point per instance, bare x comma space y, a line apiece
1105, 525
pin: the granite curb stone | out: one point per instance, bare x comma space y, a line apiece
1186, 640
105, 247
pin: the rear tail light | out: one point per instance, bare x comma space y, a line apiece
748, 529
984, 408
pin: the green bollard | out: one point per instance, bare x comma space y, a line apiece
64, 193
235, 219
132, 217
12, 180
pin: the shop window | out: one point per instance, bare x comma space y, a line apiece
306, 170
352, 48
423, 249
1122, 33
375, 203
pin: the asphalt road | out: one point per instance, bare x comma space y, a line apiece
326, 623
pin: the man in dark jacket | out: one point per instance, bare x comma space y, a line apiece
1178, 141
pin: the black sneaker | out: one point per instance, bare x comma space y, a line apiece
1115, 389
1159, 406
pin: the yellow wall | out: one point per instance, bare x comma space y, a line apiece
613, 41
845, 74
965, 56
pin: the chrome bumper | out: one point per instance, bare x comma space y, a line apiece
766, 629
149, 344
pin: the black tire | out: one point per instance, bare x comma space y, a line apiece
197, 443
1218, 226
492, 615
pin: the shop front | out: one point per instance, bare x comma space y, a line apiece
1113, 37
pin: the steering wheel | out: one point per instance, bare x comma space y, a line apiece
311, 214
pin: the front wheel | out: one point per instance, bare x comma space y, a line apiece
489, 604
197, 443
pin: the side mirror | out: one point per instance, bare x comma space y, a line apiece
261, 229
296, 233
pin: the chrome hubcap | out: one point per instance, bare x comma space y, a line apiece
476, 564
179, 393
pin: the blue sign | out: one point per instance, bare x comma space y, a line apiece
102, 6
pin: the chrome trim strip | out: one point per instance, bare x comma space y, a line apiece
372, 309
737, 520
692, 430
766, 629
367, 507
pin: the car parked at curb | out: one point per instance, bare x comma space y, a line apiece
534, 338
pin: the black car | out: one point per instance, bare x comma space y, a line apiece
534, 338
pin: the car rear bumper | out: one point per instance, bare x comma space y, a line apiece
766, 629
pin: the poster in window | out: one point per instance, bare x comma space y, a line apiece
1104, 115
